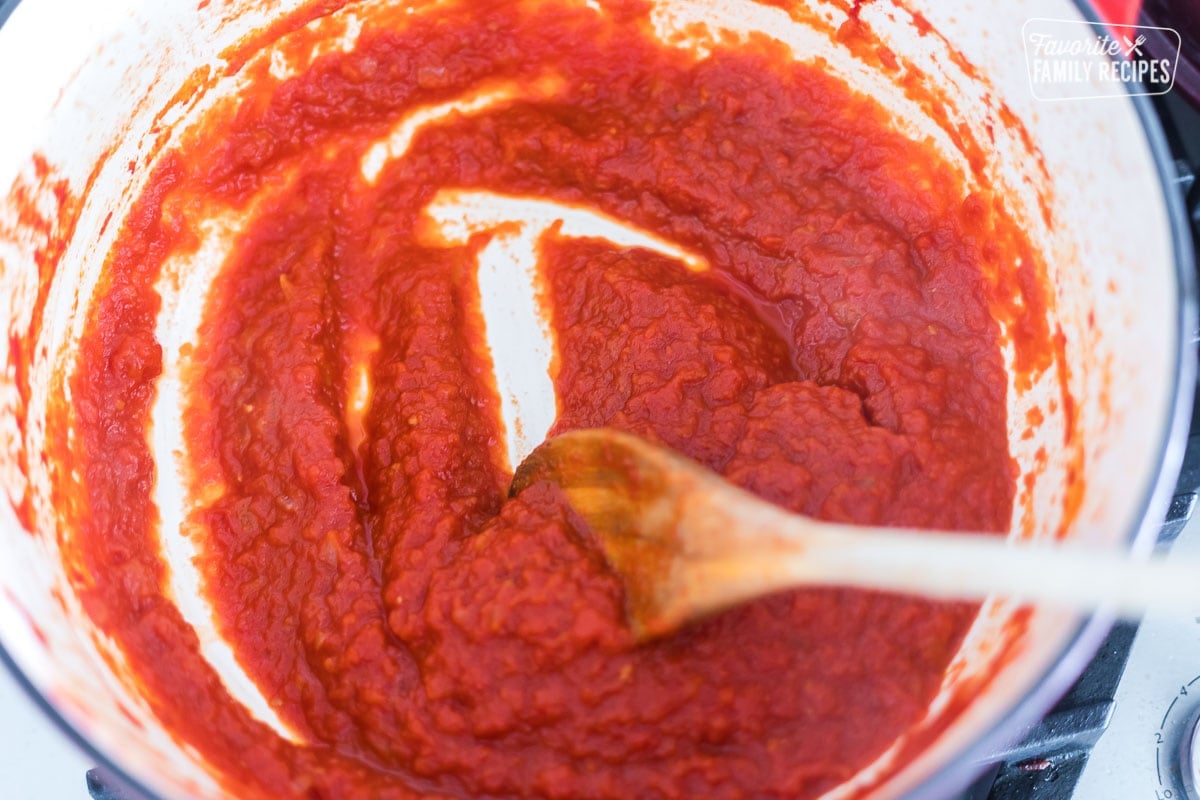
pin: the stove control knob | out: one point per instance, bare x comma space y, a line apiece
1190, 761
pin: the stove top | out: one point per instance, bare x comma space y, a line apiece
1147, 750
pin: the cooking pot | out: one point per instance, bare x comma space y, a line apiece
95, 93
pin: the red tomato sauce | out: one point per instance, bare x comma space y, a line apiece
424, 635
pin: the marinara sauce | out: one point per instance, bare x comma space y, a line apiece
421, 634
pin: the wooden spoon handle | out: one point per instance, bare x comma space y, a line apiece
965, 566
956, 565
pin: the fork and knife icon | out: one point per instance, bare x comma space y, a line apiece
1134, 46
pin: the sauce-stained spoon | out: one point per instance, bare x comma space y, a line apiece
687, 543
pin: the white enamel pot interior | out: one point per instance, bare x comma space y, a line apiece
84, 86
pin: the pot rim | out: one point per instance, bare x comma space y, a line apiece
113, 772
970, 761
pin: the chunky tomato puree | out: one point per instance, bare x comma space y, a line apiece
421, 634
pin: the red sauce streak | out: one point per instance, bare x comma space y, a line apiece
427, 636
46, 213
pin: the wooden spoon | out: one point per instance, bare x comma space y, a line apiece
687, 543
